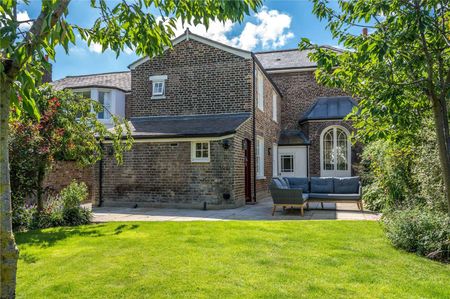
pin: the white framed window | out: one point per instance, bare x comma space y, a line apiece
287, 162
104, 98
260, 89
200, 151
84, 93
335, 152
259, 156
274, 106
158, 86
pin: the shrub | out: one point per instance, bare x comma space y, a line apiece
22, 218
422, 231
71, 197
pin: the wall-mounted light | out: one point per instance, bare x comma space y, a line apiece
110, 151
226, 144
226, 196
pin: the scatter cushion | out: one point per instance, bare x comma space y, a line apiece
279, 183
298, 183
321, 185
346, 185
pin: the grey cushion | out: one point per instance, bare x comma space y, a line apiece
299, 183
279, 183
321, 185
346, 185
333, 196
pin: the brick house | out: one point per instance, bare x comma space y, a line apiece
213, 124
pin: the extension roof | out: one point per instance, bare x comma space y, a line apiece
329, 108
209, 125
116, 80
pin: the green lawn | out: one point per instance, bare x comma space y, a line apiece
310, 259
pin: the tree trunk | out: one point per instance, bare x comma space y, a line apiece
443, 141
40, 188
8, 251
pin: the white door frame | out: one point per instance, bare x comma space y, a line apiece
335, 172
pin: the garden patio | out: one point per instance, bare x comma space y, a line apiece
260, 211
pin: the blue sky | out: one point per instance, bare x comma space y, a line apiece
280, 24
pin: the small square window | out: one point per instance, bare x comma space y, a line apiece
200, 152
158, 88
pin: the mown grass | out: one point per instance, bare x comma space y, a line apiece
304, 259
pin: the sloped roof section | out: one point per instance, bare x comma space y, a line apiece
288, 59
210, 125
293, 137
116, 80
329, 108
187, 35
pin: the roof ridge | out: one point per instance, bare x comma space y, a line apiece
297, 49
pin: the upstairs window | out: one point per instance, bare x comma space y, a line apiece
259, 151
85, 93
260, 89
158, 86
104, 98
275, 107
200, 151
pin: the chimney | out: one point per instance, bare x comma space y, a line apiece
364, 31
47, 77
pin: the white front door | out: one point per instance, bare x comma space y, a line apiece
292, 161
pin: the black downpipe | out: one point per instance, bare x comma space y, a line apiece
100, 178
254, 132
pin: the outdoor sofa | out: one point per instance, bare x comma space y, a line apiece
298, 192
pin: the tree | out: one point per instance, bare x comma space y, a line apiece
68, 129
125, 24
400, 71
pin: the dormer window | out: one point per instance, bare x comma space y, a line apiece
158, 86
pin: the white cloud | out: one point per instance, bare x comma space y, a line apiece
23, 16
270, 31
95, 47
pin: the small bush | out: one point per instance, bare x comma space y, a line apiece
22, 218
73, 195
62, 210
421, 231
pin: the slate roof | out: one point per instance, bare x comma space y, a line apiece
210, 125
287, 59
117, 80
329, 108
293, 137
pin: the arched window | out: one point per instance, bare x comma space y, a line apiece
335, 152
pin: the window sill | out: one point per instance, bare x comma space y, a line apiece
158, 97
260, 177
200, 161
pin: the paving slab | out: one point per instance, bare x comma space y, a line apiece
259, 211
